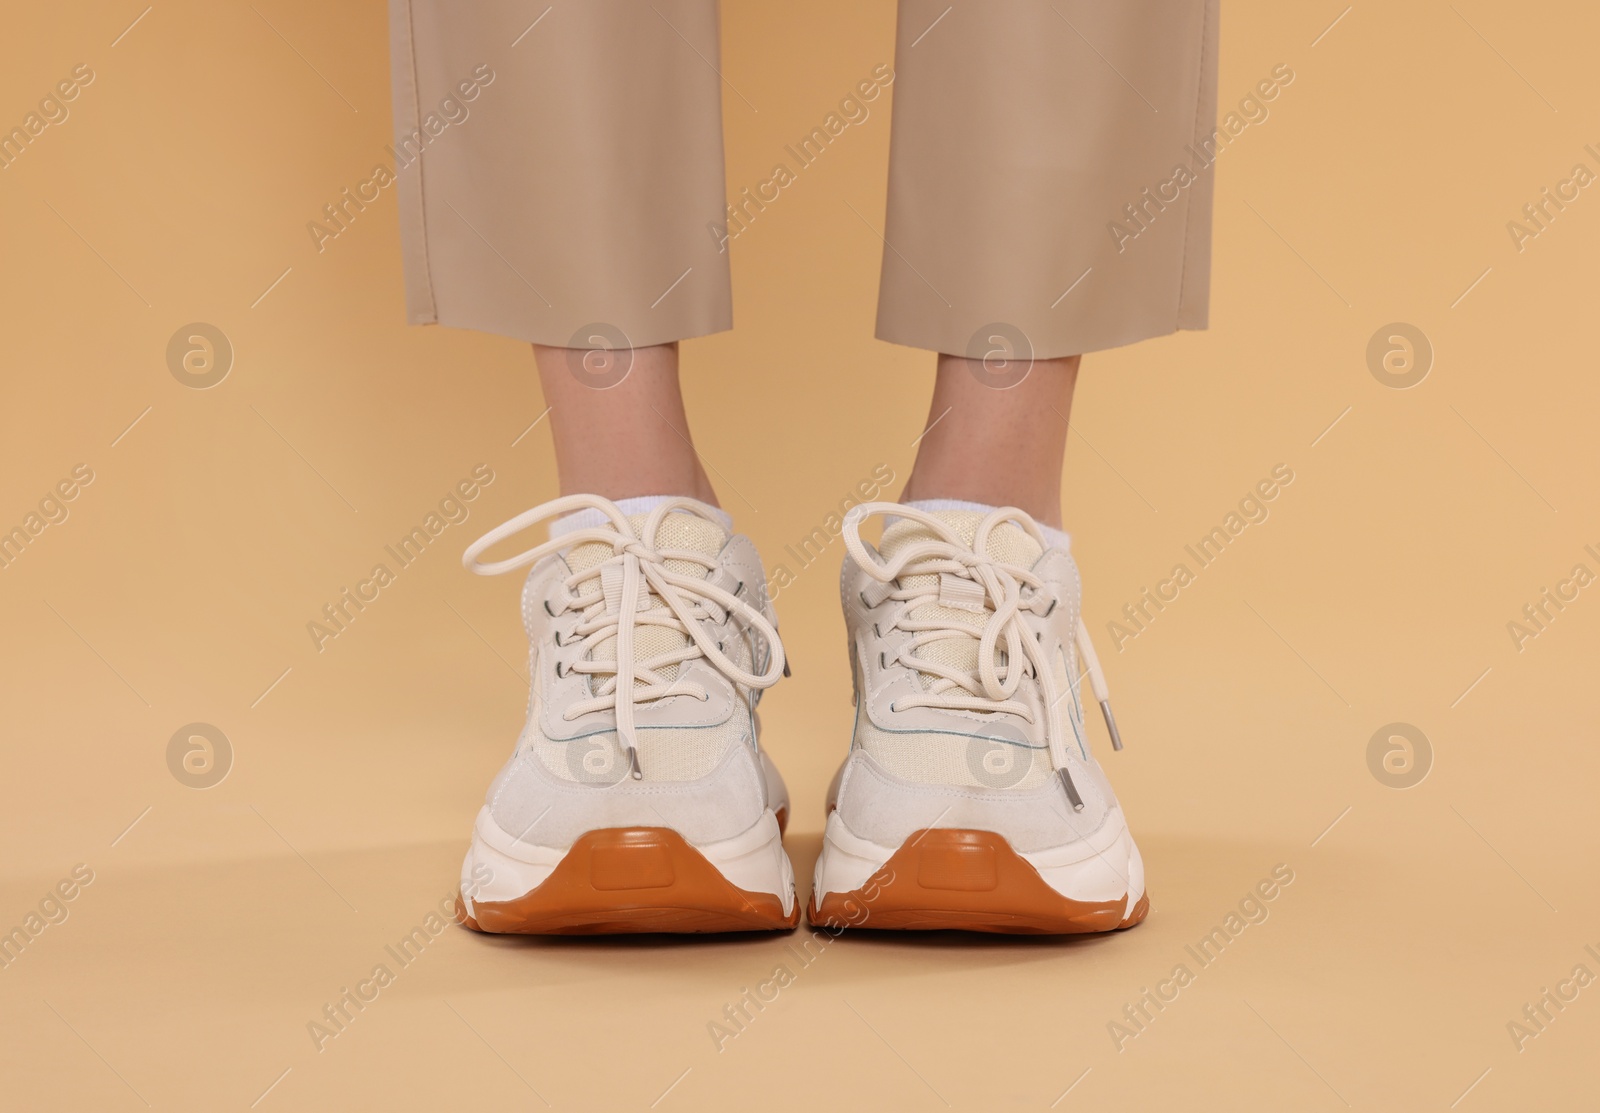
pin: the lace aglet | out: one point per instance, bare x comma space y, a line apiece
786, 670
1070, 789
1111, 724
633, 764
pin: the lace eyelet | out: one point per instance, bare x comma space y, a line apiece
547, 609
877, 633
882, 664
559, 675
557, 639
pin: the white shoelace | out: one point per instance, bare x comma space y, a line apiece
613, 596
962, 577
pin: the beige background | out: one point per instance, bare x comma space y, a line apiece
1379, 590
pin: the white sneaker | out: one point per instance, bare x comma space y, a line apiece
970, 798
637, 798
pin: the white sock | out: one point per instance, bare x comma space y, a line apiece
590, 518
1057, 538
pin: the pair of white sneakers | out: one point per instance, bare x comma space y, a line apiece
639, 797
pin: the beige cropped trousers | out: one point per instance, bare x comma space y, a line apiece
1050, 172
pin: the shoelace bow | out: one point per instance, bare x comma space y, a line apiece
966, 578
613, 596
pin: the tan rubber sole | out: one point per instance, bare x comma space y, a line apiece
968, 881
624, 880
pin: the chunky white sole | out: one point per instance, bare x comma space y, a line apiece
956, 878
628, 879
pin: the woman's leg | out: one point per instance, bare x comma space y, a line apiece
572, 200
626, 439
1049, 194
997, 446
519, 143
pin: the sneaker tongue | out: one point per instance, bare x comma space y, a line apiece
1008, 544
676, 531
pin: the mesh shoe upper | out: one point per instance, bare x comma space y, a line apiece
650, 641
929, 711
667, 752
